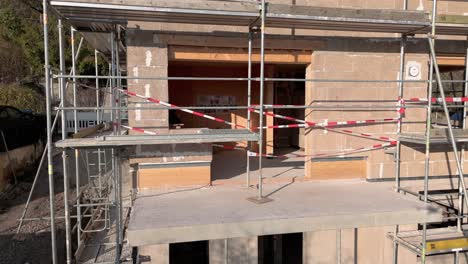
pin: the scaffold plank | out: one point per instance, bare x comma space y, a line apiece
439, 240
202, 136
438, 136
244, 14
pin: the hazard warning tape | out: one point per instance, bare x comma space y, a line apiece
282, 117
336, 106
439, 99
319, 155
323, 155
364, 135
330, 124
195, 113
345, 131
137, 129
401, 107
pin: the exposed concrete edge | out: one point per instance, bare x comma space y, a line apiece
280, 226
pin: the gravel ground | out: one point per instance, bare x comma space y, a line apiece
32, 244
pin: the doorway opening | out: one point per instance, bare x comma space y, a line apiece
189, 252
289, 93
451, 89
285, 248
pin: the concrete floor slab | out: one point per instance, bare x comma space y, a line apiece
224, 212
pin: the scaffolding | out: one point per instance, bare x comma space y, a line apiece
105, 212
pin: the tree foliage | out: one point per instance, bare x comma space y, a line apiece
22, 97
22, 48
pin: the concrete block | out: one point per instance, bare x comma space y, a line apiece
175, 175
354, 169
381, 170
319, 247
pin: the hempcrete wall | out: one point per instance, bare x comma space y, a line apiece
149, 58
373, 66
361, 66
333, 58
450, 7
146, 58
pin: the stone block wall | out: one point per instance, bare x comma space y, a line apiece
373, 66
146, 58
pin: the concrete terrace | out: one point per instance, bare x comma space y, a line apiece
202, 213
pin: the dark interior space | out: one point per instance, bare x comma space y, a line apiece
451, 89
289, 93
189, 252
285, 248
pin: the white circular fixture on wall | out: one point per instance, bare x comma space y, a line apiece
413, 71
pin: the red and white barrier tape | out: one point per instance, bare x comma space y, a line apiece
282, 117
345, 131
364, 135
401, 109
439, 99
255, 154
330, 124
292, 106
323, 155
156, 101
137, 129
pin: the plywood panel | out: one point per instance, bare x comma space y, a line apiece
451, 61
174, 177
186, 53
350, 169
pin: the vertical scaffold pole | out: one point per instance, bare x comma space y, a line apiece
98, 117
113, 81
262, 87
401, 76
119, 120
50, 168
429, 107
400, 115
462, 157
460, 191
429, 124
117, 192
96, 70
116, 83
64, 152
115, 152
249, 102
75, 130
398, 146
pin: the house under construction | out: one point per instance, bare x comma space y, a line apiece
280, 131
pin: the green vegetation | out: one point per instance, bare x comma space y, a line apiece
22, 97
22, 52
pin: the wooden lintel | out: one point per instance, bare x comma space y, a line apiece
450, 61
186, 53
